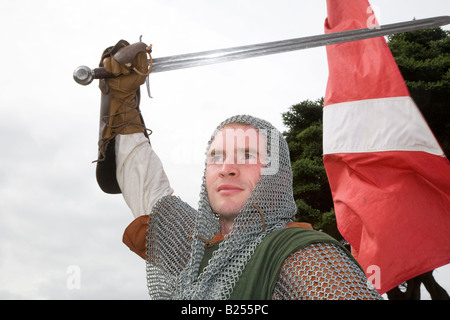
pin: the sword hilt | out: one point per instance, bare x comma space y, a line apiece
84, 75
124, 54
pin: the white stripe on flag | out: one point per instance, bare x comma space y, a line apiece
386, 124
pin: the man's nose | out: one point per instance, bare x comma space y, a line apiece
229, 169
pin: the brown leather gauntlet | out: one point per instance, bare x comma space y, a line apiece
120, 98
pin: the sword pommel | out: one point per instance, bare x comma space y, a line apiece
84, 75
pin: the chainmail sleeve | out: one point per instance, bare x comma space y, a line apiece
322, 271
169, 239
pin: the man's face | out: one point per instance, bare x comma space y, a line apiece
234, 161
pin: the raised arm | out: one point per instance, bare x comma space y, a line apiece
127, 163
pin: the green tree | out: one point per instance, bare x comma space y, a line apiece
311, 188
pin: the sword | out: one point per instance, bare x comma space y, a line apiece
84, 75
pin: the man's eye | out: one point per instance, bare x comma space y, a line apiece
215, 159
248, 157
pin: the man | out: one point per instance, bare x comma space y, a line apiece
242, 242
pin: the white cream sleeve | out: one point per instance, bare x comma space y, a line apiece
140, 173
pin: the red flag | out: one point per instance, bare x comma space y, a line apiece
389, 177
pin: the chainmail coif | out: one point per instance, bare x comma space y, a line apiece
174, 242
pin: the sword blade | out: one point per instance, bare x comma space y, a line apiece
84, 75
250, 51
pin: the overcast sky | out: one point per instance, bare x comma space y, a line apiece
55, 223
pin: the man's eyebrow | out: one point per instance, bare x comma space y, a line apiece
214, 151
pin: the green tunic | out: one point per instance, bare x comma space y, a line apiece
261, 273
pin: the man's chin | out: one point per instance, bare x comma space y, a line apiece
228, 210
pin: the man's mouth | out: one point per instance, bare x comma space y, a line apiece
228, 189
